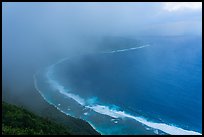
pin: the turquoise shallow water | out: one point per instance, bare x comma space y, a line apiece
148, 89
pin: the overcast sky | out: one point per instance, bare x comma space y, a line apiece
34, 34
51, 28
144, 18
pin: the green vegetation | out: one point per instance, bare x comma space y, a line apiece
18, 121
77, 126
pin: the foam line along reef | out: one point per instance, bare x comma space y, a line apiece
128, 49
105, 110
170, 129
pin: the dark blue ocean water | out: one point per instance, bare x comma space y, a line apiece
161, 83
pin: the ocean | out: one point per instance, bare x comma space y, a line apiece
151, 87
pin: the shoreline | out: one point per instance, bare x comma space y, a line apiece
51, 104
169, 129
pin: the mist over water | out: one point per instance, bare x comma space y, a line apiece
119, 61
133, 84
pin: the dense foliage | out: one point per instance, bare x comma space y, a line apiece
77, 126
18, 121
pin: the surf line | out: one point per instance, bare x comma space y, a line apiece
169, 129
122, 50
105, 110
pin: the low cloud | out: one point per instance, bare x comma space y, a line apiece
177, 6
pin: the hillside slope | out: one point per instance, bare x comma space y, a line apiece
19, 121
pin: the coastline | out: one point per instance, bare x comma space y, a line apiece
169, 129
35, 85
62, 112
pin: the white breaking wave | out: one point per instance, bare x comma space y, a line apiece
122, 50
62, 90
73, 96
169, 129
49, 102
85, 113
105, 110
